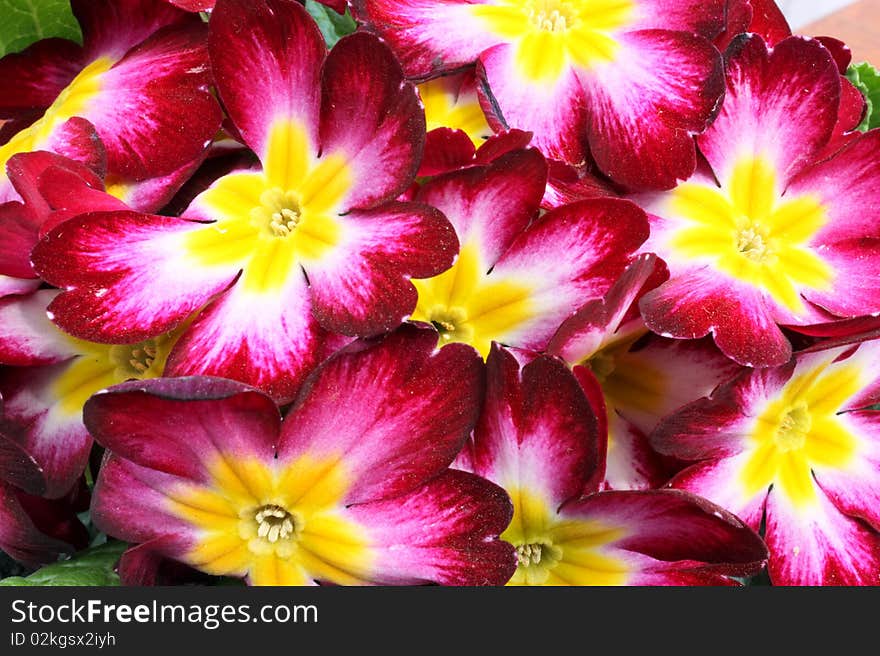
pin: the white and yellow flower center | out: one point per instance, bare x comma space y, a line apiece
753, 233
270, 222
555, 550
446, 107
550, 35
802, 428
278, 525
74, 100
103, 365
468, 305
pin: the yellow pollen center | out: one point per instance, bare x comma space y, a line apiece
751, 231
134, 360
275, 523
538, 554
752, 243
793, 429
551, 16
278, 213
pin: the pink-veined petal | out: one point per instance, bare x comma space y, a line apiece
372, 117
27, 337
417, 402
490, 205
819, 545
765, 110
429, 36
644, 107
30, 80
537, 430
183, 426
361, 287
266, 57
266, 339
444, 532
127, 276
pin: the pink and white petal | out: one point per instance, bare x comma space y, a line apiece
268, 340
75, 139
46, 427
31, 80
568, 256
683, 371
78, 139
846, 186
132, 503
537, 431
631, 462
819, 545
27, 337
388, 411
112, 27
719, 426
597, 322
719, 482
490, 205
699, 301
445, 532
155, 111
645, 106
362, 286
855, 288
183, 426
19, 535
671, 525
153, 194
372, 117
430, 37
266, 57
553, 111
18, 234
127, 276
697, 16
765, 112
10, 285
854, 489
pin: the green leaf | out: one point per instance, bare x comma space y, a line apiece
332, 25
26, 21
93, 566
866, 78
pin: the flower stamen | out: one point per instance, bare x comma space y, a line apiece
274, 523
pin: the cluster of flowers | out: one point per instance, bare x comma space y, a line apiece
545, 291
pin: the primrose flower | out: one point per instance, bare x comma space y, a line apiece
642, 376
141, 80
795, 448
771, 235
538, 437
518, 276
624, 82
352, 488
51, 377
312, 241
